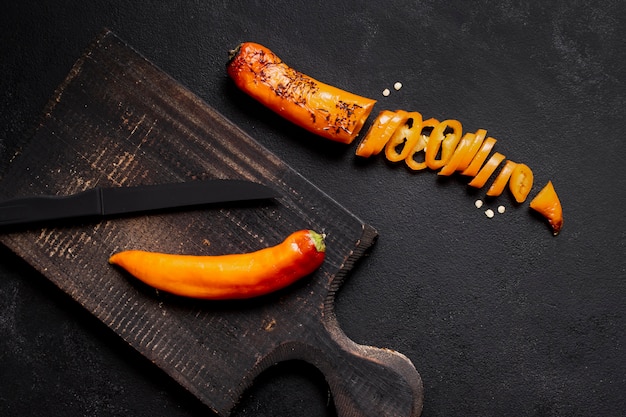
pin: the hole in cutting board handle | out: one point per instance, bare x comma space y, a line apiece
365, 381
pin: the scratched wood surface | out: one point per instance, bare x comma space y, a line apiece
118, 120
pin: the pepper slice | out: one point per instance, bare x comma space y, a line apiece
480, 157
547, 203
380, 132
485, 172
502, 179
446, 142
473, 150
406, 135
420, 146
521, 182
458, 155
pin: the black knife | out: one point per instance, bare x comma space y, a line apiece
102, 201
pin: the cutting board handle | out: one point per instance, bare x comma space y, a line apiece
365, 381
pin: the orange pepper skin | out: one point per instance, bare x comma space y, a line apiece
485, 172
375, 138
461, 150
498, 185
447, 142
547, 203
420, 146
479, 137
407, 135
521, 182
380, 132
320, 108
480, 157
231, 276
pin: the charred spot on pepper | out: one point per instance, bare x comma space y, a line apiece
345, 117
349, 108
294, 86
261, 57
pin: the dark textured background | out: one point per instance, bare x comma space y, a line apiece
499, 317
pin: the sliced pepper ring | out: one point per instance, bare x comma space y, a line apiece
464, 146
480, 157
380, 132
447, 142
408, 134
420, 146
479, 137
485, 172
502, 179
521, 182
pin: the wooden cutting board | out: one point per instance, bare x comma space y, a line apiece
117, 120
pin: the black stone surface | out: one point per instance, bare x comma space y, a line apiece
499, 317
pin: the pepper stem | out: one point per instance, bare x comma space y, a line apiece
318, 240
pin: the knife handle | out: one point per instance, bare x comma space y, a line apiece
50, 207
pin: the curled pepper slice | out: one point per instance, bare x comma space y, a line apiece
380, 132
485, 172
479, 137
406, 136
521, 182
231, 276
442, 139
426, 130
480, 157
464, 146
499, 184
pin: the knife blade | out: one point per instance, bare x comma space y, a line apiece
110, 201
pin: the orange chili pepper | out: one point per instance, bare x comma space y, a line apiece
547, 203
317, 107
232, 276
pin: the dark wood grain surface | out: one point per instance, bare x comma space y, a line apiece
499, 317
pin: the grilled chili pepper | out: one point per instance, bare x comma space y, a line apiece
231, 276
317, 107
